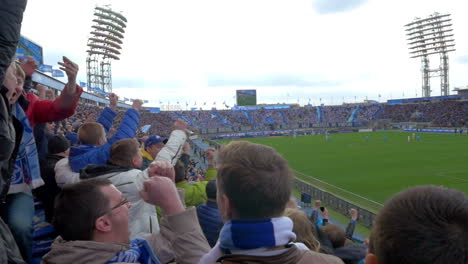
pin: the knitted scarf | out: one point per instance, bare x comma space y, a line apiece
139, 252
27, 173
252, 237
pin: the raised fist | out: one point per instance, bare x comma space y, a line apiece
180, 125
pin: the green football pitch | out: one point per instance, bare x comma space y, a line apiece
368, 168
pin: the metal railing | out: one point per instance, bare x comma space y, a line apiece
337, 203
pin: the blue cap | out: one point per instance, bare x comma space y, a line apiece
153, 140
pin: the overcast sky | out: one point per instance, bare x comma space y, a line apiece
289, 50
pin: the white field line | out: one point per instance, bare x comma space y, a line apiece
341, 189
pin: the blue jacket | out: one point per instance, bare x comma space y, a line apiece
210, 221
83, 155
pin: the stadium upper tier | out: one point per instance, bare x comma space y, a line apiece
439, 114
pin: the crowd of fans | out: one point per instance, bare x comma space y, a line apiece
440, 114
114, 195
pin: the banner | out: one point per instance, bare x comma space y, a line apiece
26, 47
57, 73
145, 128
45, 68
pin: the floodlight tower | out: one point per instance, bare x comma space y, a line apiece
104, 45
428, 36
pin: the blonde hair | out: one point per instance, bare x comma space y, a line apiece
303, 228
90, 133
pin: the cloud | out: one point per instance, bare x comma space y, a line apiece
336, 6
271, 80
140, 83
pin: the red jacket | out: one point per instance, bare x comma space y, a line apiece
40, 112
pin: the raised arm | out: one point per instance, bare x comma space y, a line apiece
173, 148
188, 243
63, 106
129, 124
352, 224
106, 119
11, 16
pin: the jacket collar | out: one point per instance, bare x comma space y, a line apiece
146, 155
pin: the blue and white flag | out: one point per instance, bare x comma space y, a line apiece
45, 68
57, 73
145, 128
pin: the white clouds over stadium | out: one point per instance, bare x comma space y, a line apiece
203, 50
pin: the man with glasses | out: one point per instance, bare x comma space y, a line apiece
92, 219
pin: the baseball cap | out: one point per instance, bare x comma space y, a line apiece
154, 140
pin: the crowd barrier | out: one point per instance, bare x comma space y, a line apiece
366, 217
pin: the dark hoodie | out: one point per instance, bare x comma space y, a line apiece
93, 171
351, 254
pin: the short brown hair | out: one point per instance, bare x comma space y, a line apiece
255, 178
78, 206
180, 173
123, 151
303, 228
336, 234
90, 133
425, 224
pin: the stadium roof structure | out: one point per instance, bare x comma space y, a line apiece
429, 36
104, 45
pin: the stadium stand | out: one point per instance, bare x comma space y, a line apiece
91, 216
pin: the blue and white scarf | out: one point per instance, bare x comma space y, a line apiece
27, 173
139, 252
253, 237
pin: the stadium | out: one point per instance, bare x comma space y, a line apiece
344, 157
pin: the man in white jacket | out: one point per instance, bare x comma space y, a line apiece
121, 170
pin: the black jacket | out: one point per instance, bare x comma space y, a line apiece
11, 16
49, 190
351, 254
11, 132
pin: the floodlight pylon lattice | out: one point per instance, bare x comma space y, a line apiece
103, 47
430, 36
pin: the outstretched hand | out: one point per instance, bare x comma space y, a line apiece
70, 68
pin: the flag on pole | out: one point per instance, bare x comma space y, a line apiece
57, 73
145, 128
45, 68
